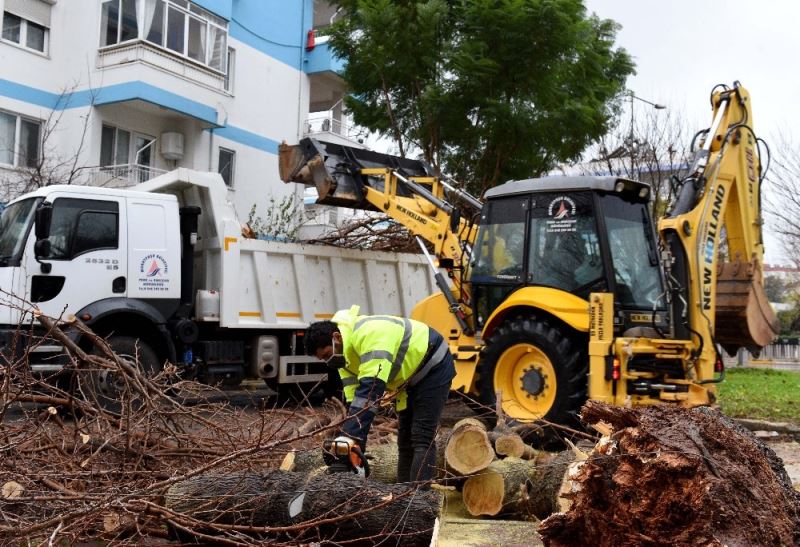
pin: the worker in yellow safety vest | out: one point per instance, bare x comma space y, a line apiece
374, 353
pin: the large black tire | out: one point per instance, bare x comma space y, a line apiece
541, 368
108, 389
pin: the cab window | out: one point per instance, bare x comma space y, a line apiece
564, 244
80, 226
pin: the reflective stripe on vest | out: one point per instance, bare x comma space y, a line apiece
397, 362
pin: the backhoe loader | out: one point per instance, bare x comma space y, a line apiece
561, 287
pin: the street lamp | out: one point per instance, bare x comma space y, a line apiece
631, 95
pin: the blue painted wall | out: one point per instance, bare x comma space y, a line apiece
275, 27
223, 8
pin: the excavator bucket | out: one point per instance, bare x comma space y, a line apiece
745, 318
335, 170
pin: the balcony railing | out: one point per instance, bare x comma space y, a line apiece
119, 176
328, 124
149, 54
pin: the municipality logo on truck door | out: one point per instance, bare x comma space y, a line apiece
154, 273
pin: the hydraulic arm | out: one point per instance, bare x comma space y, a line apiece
718, 297
406, 190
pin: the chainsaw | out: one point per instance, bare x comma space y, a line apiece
344, 455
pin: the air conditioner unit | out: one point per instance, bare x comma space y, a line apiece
172, 146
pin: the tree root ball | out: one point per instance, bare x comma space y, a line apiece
672, 476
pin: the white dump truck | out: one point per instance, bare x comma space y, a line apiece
163, 269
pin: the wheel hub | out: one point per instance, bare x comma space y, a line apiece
109, 383
533, 382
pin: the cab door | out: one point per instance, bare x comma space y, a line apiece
87, 257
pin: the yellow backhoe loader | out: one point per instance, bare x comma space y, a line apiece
561, 288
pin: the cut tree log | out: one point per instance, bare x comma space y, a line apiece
382, 459
511, 444
514, 486
468, 450
323, 508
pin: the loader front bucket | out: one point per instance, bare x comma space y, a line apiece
335, 170
745, 318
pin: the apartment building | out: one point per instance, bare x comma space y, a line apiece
113, 92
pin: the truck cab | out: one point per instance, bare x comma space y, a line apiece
103, 249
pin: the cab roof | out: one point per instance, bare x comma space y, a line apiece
570, 183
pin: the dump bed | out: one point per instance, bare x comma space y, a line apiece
268, 284
252, 283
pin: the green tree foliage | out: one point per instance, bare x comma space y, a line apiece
486, 90
282, 219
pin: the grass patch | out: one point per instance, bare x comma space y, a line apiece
761, 394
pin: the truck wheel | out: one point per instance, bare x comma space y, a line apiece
540, 369
107, 387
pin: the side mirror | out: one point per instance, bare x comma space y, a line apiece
44, 216
42, 248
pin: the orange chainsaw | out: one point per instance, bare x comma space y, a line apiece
344, 455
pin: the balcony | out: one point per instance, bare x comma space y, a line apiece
327, 127
154, 56
118, 176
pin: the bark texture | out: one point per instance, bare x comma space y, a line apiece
336, 508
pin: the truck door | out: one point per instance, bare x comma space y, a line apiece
87, 252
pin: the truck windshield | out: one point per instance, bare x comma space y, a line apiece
15, 223
632, 245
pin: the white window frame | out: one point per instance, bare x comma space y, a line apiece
232, 152
23, 35
230, 65
191, 11
16, 153
132, 151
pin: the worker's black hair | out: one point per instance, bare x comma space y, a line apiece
319, 335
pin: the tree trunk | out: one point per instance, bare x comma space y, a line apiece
382, 460
517, 486
361, 510
468, 450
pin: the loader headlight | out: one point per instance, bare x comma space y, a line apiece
619, 186
644, 192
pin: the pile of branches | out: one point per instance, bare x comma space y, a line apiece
372, 232
73, 470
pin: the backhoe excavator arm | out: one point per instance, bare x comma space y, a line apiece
406, 190
720, 299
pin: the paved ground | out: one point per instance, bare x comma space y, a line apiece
789, 452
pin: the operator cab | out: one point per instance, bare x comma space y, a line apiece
576, 234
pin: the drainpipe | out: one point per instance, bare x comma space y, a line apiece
300, 116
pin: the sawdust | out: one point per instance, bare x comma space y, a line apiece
672, 476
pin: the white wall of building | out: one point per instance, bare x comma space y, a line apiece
267, 104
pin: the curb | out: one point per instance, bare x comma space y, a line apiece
761, 425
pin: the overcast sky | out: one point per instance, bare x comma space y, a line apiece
683, 48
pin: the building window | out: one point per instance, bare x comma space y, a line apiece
27, 33
115, 146
20, 140
121, 147
230, 64
225, 166
178, 25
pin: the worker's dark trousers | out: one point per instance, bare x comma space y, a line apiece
417, 424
